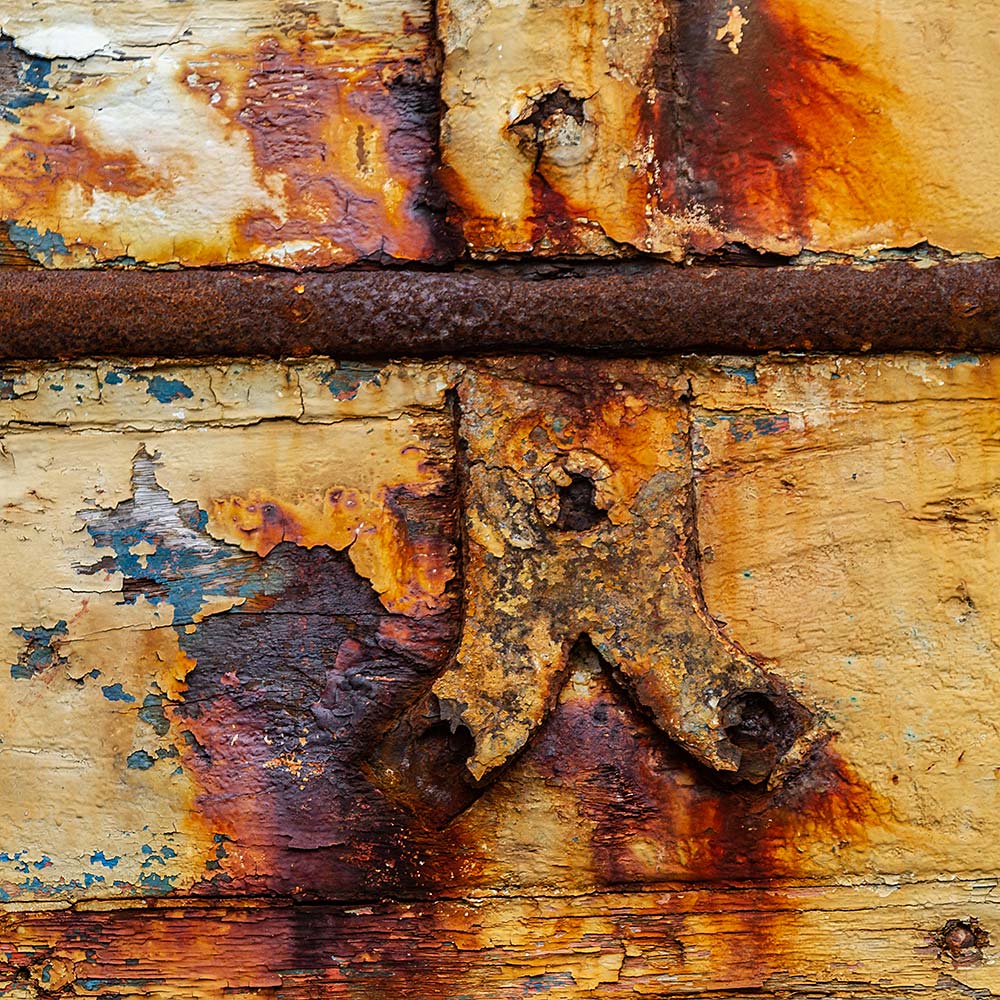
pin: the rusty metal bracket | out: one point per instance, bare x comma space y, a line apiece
630, 307
579, 522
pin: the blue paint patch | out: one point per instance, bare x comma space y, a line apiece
40, 651
28, 83
748, 374
117, 376
9, 384
156, 882
115, 692
41, 247
152, 713
962, 359
56, 388
747, 428
548, 981
186, 568
98, 858
345, 380
139, 760
166, 390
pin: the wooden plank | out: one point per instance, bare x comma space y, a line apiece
309, 134
232, 581
852, 943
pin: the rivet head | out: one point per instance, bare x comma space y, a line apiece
962, 940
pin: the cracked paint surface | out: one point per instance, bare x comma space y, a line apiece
295, 134
188, 800
318, 133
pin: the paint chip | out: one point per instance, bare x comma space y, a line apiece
733, 30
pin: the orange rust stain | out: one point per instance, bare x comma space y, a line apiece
49, 156
627, 426
793, 134
345, 140
409, 568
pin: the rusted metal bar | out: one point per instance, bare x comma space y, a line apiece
624, 307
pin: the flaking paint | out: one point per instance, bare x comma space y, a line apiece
603, 859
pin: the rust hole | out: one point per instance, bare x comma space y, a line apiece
555, 126
763, 727
578, 510
560, 103
756, 722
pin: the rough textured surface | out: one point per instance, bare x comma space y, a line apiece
299, 134
578, 525
314, 133
203, 656
673, 126
630, 307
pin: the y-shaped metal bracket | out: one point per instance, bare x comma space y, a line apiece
579, 520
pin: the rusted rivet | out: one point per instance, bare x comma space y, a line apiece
763, 725
962, 940
421, 763
965, 304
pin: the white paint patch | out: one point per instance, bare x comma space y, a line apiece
64, 41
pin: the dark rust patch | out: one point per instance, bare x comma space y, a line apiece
658, 816
626, 308
782, 134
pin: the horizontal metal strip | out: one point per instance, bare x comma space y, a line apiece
644, 307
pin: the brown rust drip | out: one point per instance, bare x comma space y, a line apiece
655, 816
777, 137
